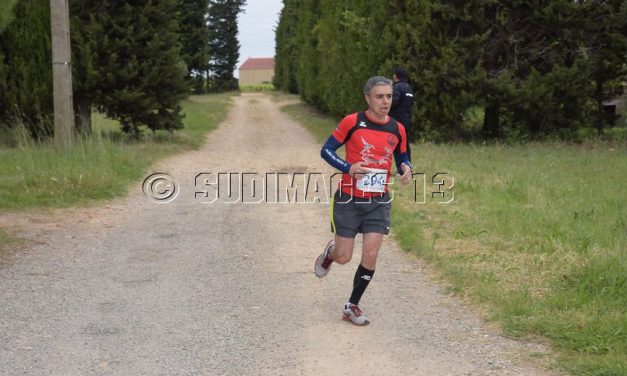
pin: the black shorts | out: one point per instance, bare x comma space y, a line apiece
351, 215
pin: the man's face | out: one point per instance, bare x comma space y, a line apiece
379, 100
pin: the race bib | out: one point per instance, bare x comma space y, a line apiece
373, 181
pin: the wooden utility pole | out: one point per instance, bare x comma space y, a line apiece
62, 73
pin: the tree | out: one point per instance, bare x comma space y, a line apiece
287, 48
223, 43
606, 48
195, 35
533, 81
309, 58
128, 62
525, 63
25, 73
84, 19
441, 56
6, 13
350, 51
6, 16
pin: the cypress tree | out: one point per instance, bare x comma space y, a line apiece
195, 40
441, 65
402, 40
309, 56
223, 43
534, 68
333, 72
287, 48
350, 51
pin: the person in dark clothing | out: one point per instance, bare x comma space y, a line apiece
402, 101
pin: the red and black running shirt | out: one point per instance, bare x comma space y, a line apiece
371, 142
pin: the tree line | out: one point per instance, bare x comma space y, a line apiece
132, 60
485, 68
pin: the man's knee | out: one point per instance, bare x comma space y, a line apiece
343, 251
342, 257
370, 254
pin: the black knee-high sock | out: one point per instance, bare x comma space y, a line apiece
360, 282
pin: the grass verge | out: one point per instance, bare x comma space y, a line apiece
318, 124
536, 235
102, 166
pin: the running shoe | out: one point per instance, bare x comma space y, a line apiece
323, 262
353, 313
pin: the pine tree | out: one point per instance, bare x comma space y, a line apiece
223, 43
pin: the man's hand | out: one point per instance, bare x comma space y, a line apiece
406, 177
357, 170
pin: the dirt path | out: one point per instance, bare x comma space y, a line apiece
190, 288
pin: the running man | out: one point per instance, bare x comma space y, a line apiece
362, 202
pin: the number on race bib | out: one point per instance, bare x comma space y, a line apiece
373, 181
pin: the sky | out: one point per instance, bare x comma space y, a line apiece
256, 29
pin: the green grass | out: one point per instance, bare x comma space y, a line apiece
536, 236
102, 166
315, 122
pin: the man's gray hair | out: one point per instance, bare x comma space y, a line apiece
376, 81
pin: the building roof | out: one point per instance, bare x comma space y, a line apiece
258, 63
